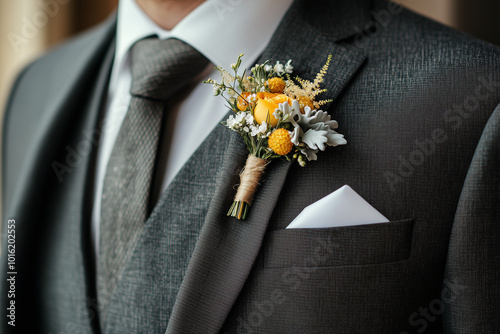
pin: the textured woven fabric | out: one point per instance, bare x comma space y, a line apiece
417, 102
159, 69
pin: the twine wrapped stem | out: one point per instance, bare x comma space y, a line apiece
249, 181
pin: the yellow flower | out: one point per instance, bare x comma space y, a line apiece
305, 101
242, 101
280, 142
267, 103
276, 85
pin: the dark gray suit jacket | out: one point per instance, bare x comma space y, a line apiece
418, 104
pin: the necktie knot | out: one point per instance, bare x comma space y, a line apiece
160, 68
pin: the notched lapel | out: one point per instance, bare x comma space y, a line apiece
210, 283
299, 43
227, 248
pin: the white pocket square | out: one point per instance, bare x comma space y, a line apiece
343, 207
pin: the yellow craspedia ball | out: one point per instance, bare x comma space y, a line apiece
280, 142
276, 85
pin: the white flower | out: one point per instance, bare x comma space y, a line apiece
277, 113
279, 69
230, 123
288, 67
249, 119
246, 129
240, 117
216, 90
260, 130
268, 68
233, 66
263, 128
254, 130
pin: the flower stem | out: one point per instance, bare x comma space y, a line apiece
239, 210
249, 181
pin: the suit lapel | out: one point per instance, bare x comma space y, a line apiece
224, 253
227, 248
299, 42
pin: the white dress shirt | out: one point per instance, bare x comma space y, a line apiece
221, 31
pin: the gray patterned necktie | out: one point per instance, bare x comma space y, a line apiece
160, 68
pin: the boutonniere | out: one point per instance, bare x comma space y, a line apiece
278, 117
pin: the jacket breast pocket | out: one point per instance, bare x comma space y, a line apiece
338, 246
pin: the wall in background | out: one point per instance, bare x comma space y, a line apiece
29, 27
480, 18
439, 10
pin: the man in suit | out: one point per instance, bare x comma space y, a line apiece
417, 103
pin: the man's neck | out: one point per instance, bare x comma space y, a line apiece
167, 13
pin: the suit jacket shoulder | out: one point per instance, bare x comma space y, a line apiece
41, 88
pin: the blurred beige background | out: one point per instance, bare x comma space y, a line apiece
29, 27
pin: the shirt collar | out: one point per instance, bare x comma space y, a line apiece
220, 30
